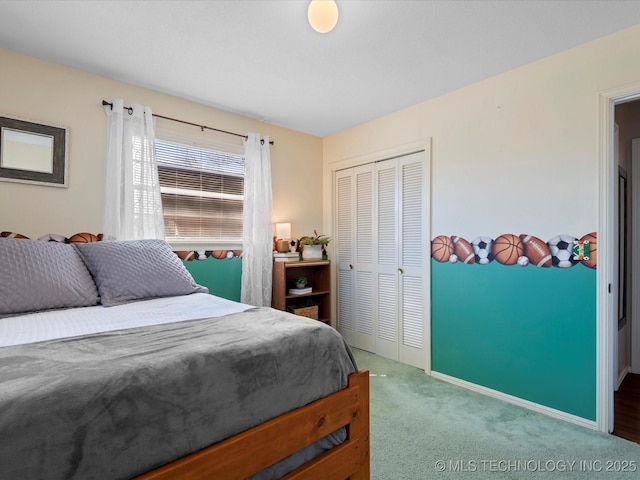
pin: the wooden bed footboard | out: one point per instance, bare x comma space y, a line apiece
253, 450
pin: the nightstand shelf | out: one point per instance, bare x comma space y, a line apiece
317, 272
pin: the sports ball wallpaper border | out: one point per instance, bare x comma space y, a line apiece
84, 237
561, 251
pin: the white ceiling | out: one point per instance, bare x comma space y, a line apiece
261, 59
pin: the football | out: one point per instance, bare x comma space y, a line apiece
12, 235
536, 250
507, 249
441, 248
463, 250
186, 255
482, 250
561, 248
592, 238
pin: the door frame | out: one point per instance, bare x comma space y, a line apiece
329, 170
606, 284
634, 290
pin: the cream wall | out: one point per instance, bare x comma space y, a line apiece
517, 152
41, 91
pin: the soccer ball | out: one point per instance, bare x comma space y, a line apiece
561, 248
482, 248
201, 255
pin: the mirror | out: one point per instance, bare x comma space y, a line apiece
33, 152
622, 247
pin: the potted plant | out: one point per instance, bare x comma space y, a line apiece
301, 282
314, 247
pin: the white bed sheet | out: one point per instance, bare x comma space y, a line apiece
73, 322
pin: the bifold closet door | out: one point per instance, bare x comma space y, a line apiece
388, 237
402, 252
354, 251
382, 249
414, 255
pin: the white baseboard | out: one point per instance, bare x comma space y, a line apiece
536, 407
621, 376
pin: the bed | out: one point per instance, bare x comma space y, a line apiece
115, 364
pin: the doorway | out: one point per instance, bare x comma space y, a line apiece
625, 371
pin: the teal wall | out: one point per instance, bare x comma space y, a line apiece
529, 332
221, 276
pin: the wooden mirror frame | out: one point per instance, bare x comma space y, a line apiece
58, 176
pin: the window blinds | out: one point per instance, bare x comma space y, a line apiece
202, 192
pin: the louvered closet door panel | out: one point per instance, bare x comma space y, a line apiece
387, 231
343, 245
412, 246
387, 258
363, 288
344, 217
414, 253
387, 302
364, 216
364, 307
412, 312
346, 317
388, 308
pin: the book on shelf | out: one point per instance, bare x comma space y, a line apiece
286, 259
300, 291
286, 255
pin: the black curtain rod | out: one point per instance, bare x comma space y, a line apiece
201, 127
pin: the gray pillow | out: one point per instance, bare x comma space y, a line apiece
131, 270
37, 275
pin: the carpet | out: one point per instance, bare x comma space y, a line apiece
424, 428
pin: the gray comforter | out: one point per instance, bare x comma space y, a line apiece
117, 404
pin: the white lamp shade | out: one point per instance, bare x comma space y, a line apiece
283, 230
322, 15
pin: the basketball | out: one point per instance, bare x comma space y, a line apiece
592, 238
536, 251
507, 249
441, 248
219, 254
83, 238
237, 253
463, 250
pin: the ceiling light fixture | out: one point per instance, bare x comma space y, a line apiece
322, 15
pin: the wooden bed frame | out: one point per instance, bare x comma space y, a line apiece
251, 451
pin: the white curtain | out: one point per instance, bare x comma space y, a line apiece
133, 206
257, 250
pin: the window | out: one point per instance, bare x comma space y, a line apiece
202, 192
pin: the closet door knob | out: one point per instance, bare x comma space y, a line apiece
400, 271
350, 267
